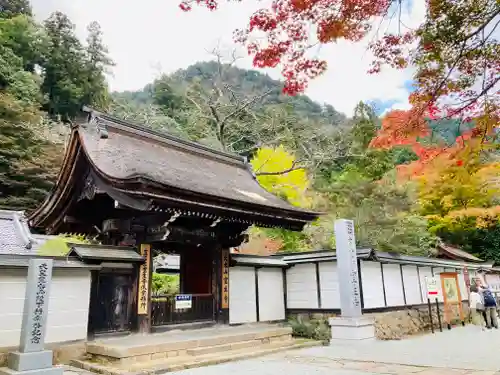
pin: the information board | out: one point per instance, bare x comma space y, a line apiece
183, 301
432, 287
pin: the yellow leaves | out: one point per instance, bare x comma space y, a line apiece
475, 217
286, 181
58, 246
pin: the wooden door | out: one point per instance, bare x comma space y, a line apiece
109, 304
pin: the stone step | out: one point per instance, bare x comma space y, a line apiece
190, 361
236, 346
159, 347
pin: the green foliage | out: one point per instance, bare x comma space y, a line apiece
165, 284
364, 189
58, 246
44, 70
13, 8
314, 329
292, 185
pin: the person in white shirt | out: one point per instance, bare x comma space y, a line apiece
476, 307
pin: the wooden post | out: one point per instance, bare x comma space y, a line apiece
144, 291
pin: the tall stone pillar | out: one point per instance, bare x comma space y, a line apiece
32, 358
351, 325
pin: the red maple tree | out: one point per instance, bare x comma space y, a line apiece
455, 52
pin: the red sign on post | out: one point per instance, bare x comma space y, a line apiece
467, 277
432, 287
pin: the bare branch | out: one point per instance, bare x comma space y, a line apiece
238, 110
294, 167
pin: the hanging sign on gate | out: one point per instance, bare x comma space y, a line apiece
183, 301
432, 286
143, 289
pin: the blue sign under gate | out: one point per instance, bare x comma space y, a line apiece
183, 301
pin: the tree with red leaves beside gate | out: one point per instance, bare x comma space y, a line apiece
454, 52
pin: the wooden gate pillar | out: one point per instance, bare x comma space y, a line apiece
144, 290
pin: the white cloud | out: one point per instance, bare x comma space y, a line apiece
155, 34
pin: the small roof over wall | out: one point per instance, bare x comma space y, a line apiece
257, 261
22, 261
383, 257
102, 253
452, 252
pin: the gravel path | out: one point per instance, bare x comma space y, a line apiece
461, 351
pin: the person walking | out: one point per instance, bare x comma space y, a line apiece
490, 305
476, 307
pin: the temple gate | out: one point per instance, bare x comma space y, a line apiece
141, 193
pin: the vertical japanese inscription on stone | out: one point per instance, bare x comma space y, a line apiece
225, 279
36, 304
347, 268
143, 289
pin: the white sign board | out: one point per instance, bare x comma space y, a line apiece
183, 301
432, 287
347, 268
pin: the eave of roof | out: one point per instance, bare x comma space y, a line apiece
273, 212
383, 257
456, 253
257, 261
103, 253
22, 261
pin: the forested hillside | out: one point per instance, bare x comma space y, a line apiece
46, 74
351, 166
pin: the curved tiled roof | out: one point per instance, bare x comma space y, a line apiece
134, 164
128, 153
15, 235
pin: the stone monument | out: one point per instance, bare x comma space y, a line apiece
31, 358
351, 325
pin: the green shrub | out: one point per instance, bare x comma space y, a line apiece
311, 329
58, 245
165, 284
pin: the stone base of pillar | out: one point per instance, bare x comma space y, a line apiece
32, 363
351, 329
40, 371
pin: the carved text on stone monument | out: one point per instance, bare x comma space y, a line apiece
42, 278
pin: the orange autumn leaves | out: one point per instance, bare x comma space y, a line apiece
458, 183
411, 129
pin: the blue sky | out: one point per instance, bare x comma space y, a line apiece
381, 106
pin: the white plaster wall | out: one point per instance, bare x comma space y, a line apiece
329, 283
371, 280
463, 286
393, 285
302, 292
271, 296
412, 285
242, 295
68, 305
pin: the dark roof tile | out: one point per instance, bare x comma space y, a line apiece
106, 253
129, 152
